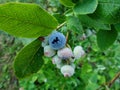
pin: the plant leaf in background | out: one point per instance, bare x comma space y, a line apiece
26, 20
117, 27
86, 6
88, 21
67, 3
108, 11
73, 23
105, 38
29, 59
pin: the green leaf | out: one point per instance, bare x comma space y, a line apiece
86, 6
92, 86
67, 3
86, 71
89, 22
73, 23
105, 38
60, 18
29, 59
117, 27
26, 20
108, 11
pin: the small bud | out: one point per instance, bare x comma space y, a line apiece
65, 53
48, 51
57, 40
56, 60
78, 52
67, 70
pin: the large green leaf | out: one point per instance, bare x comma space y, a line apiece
29, 59
108, 11
105, 38
86, 6
67, 3
73, 23
26, 20
89, 22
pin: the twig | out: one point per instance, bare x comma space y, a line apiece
109, 84
114, 79
61, 25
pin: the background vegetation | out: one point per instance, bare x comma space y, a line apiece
98, 70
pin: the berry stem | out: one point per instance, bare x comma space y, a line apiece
68, 45
61, 25
68, 62
67, 35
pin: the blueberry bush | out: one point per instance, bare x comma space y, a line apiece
74, 43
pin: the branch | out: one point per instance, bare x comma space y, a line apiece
109, 84
114, 79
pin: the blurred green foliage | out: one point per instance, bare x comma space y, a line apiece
8, 48
93, 70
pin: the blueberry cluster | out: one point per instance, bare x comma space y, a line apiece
63, 57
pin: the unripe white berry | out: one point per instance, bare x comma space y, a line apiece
48, 51
78, 52
65, 53
67, 70
56, 60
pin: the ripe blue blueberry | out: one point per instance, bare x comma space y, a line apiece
57, 40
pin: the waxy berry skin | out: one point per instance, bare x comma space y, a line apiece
56, 60
65, 53
48, 51
67, 70
57, 40
78, 52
